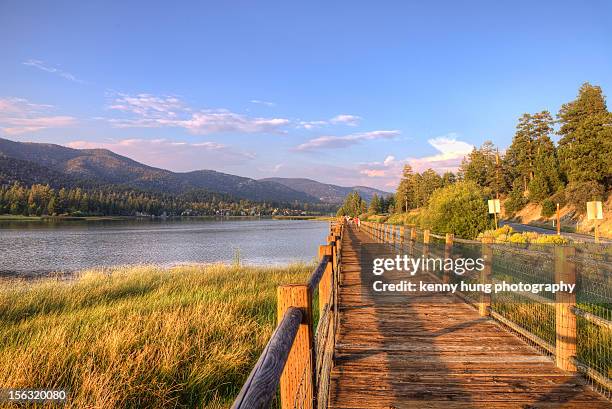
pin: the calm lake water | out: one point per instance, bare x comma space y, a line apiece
34, 248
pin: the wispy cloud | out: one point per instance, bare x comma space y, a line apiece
171, 154
312, 124
342, 119
350, 120
149, 111
148, 106
54, 70
260, 102
18, 116
336, 142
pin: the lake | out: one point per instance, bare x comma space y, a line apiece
30, 248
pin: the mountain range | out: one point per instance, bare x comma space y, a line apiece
60, 166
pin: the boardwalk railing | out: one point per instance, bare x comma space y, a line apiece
575, 328
298, 356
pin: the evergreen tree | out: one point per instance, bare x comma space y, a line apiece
374, 204
480, 166
585, 147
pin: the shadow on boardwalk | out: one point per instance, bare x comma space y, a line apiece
431, 351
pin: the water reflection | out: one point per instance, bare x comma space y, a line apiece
34, 248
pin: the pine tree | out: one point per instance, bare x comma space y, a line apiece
374, 204
479, 166
585, 147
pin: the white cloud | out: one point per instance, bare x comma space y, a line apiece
170, 154
18, 116
260, 102
451, 153
150, 111
342, 119
42, 66
335, 142
350, 120
389, 160
311, 124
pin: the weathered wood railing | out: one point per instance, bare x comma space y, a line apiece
297, 357
578, 339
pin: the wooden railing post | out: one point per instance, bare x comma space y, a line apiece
565, 318
326, 280
413, 234
402, 234
448, 253
298, 374
426, 243
484, 306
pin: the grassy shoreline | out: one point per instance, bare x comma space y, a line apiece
141, 336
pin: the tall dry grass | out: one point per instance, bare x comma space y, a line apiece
141, 336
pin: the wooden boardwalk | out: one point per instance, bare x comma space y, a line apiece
431, 351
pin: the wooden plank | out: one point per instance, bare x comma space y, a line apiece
433, 351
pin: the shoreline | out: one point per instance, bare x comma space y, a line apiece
7, 276
10, 217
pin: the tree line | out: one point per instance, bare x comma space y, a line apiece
40, 200
533, 168
354, 205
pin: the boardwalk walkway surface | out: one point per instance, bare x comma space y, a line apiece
430, 351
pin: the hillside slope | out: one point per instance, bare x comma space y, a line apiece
325, 192
59, 165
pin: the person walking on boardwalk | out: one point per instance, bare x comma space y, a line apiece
357, 222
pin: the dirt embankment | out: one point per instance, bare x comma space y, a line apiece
570, 218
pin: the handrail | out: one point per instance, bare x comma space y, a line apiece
260, 387
602, 322
294, 360
316, 275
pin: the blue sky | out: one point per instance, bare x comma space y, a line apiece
342, 92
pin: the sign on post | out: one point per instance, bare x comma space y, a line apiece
494, 209
494, 206
595, 212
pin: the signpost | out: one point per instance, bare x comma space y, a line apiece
494, 208
595, 212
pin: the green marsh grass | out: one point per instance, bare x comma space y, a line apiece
141, 336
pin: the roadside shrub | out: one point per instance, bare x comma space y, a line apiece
550, 239
548, 208
506, 234
579, 193
517, 238
397, 218
377, 218
415, 218
460, 209
504, 230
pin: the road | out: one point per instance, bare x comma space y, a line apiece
574, 236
